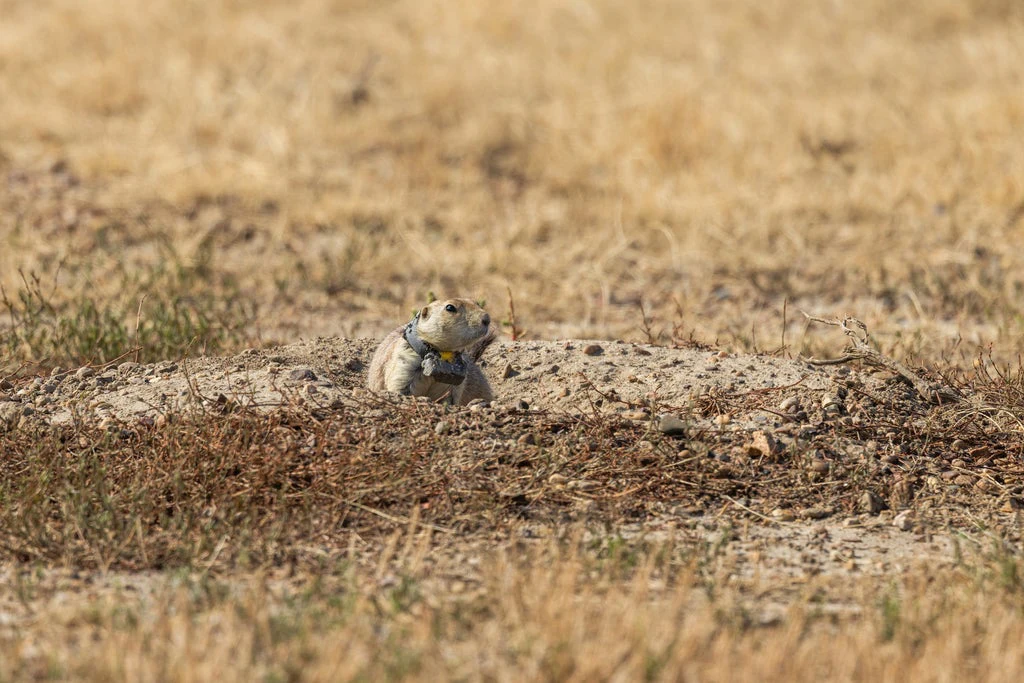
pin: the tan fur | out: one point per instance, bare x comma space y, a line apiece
396, 366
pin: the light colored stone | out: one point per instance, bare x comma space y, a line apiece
904, 521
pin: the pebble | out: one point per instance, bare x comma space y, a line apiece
816, 513
871, 503
763, 444
819, 466
671, 425
84, 372
783, 515
442, 428
790, 405
302, 374
832, 404
986, 485
593, 350
9, 412
126, 367
509, 371
558, 480
904, 521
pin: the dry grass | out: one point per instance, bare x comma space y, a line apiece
717, 158
533, 613
360, 543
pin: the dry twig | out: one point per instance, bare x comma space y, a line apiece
859, 337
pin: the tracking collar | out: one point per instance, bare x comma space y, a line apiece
447, 367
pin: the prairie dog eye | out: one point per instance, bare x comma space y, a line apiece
451, 308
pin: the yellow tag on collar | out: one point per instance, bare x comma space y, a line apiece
447, 356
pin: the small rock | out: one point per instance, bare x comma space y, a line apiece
790, 405
126, 368
9, 413
959, 445
819, 466
593, 350
871, 503
5, 385
964, 480
584, 485
558, 480
55, 372
302, 375
723, 419
816, 513
523, 405
783, 515
904, 521
763, 444
84, 372
442, 428
509, 371
670, 425
831, 404
527, 440
353, 365
986, 485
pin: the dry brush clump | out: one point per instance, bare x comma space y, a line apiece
231, 487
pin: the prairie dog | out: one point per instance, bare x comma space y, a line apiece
435, 354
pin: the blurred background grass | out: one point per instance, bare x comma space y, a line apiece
329, 163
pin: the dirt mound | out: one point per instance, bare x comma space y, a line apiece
715, 388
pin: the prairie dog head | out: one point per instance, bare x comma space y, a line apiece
453, 324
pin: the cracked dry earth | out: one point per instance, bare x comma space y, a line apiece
790, 472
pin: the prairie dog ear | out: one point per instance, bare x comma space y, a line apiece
424, 312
